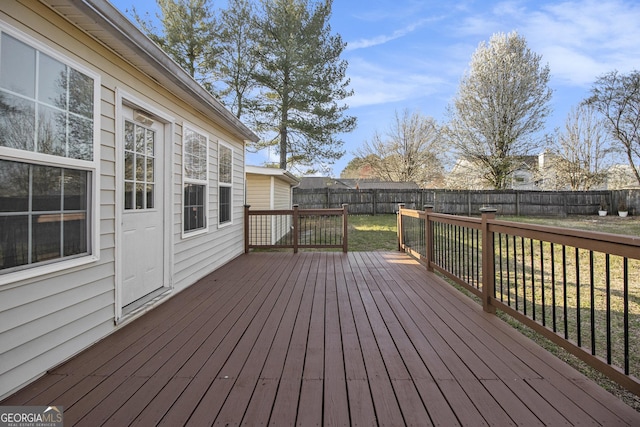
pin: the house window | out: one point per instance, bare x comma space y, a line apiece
195, 149
46, 106
47, 166
44, 213
225, 183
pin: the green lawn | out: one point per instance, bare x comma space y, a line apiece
372, 233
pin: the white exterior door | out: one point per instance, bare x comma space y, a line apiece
142, 217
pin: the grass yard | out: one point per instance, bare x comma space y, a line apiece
372, 233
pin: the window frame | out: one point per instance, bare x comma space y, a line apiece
195, 181
92, 167
222, 144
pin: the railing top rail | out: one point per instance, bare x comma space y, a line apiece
334, 211
615, 244
445, 218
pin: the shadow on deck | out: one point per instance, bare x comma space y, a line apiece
321, 338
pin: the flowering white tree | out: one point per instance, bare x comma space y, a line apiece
501, 104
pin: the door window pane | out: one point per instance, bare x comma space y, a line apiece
139, 166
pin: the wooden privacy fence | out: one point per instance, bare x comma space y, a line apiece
468, 202
580, 289
295, 228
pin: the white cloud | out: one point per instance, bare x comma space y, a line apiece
374, 84
382, 39
580, 39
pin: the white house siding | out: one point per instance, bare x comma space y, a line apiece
47, 319
198, 255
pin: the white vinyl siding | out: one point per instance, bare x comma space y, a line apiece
47, 318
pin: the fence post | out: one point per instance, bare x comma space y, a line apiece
428, 237
296, 225
399, 226
345, 231
488, 261
246, 228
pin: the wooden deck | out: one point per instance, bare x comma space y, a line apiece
321, 339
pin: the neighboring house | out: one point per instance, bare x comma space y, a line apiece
620, 177
465, 175
121, 180
270, 188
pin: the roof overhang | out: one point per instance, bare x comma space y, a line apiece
106, 24
279, 173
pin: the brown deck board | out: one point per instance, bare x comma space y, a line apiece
321, 338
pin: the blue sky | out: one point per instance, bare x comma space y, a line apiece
406, 54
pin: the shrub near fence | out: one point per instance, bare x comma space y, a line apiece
507, 202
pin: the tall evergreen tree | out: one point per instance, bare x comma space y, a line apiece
236, 61
303, 80
189, 35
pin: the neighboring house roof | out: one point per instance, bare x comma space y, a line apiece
106, 24
311, 182
373, 184
280, 173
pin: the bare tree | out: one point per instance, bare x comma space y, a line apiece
501, 104
617, 97
408, 152
582, 150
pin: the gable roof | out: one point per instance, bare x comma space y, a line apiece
102, 21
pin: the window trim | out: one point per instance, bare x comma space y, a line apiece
227, 185
185, 180
90, 166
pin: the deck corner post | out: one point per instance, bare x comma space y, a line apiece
246, 228
345, 230
296, 225
399, 226
488, 261
428, 237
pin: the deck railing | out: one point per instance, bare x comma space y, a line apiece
295, 228
580, 289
